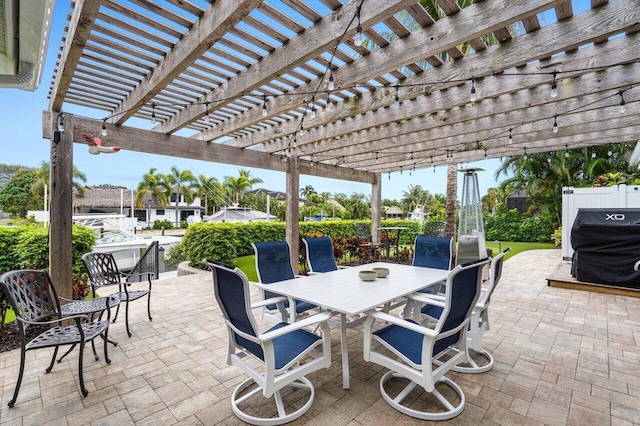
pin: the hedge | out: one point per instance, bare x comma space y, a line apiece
226, 241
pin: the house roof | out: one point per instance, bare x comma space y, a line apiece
394, 210
250, 75
101, 196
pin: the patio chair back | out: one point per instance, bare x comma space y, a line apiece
434, 228
320, 254
231, 288
273, 261
31, 295
363, 231
433, 252
495, 272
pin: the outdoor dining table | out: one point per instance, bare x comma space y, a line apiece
344, 293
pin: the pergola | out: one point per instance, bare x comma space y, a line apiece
286, 85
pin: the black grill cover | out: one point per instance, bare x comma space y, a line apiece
606, 242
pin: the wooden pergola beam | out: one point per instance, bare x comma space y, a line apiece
77, 36
147, 141
216, 21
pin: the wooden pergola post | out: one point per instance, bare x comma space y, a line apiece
292, 230
61, 204
376, 207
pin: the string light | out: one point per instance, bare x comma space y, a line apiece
264, 106
153, 113
377, 161
301, 131
396, 102
566, 152
311, 160
554, 86
485, 153
555, 123
593, 153
549, 159
329, 103
331, 86
61, 122
295, 142
510, 137
207, 117
104, 128
357, 40
389, 175
525, 153
610, 151
623, 106
473, 97
312, 113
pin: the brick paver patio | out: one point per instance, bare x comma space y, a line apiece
562, 357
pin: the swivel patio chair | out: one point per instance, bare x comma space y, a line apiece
320, 255
103, 271
431, 252
273, 264
479, 320
35, 301
423, 355
275, 359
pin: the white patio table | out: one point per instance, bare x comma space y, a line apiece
343, 292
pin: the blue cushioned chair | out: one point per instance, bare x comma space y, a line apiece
433, 252
479, 319
273, 264
422, 355
320, 255
277, 358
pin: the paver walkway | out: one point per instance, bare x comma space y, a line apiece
562, 357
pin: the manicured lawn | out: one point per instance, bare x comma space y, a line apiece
247, 264
517, 247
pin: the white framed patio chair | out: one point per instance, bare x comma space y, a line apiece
320, 256
479, 322
273, 264
274, 359
420, 356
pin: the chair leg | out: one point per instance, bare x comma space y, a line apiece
126, 317
149, 306
15, 392
115, 317
105, 341
53, 358
84, 391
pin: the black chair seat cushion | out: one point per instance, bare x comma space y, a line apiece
68, 335
288, 347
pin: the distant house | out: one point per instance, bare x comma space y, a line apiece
111, 199
394, 212
517, 201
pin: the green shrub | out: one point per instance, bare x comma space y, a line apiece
162, 224
556, 237
173, 257
8, 243
216, 241
509, 225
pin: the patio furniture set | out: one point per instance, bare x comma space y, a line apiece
444, 316
35, 302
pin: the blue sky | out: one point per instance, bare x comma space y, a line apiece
22, 143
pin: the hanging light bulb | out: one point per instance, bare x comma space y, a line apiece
344, 160
549, 159
295, 142
525, 153
329, 105
555, 123
566, 154
264, 106
593, 153
331, 86
311, 161
554, 87
396, 102
389, 175
566, 150
301, 130
623, 106
610, 151
61, 122
400, 170
377, 161
474, 96
485, 154
510, 137
104, 129
312, 112
357, 40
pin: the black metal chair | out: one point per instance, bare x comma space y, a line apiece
422, 355
434, 228
365, 239
275, 359
35, 301
103, 271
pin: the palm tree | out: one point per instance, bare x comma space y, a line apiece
152, 185
43, 176
238, 186
208, 188
414, 197
307, 191
182, 182
494, 197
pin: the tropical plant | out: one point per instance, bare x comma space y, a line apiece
210, 191
43, 176
153, 185
181, 182
16, 197
237, 186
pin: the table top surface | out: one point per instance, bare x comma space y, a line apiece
392, 228
343, 291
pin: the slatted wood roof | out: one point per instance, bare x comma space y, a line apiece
244, 77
